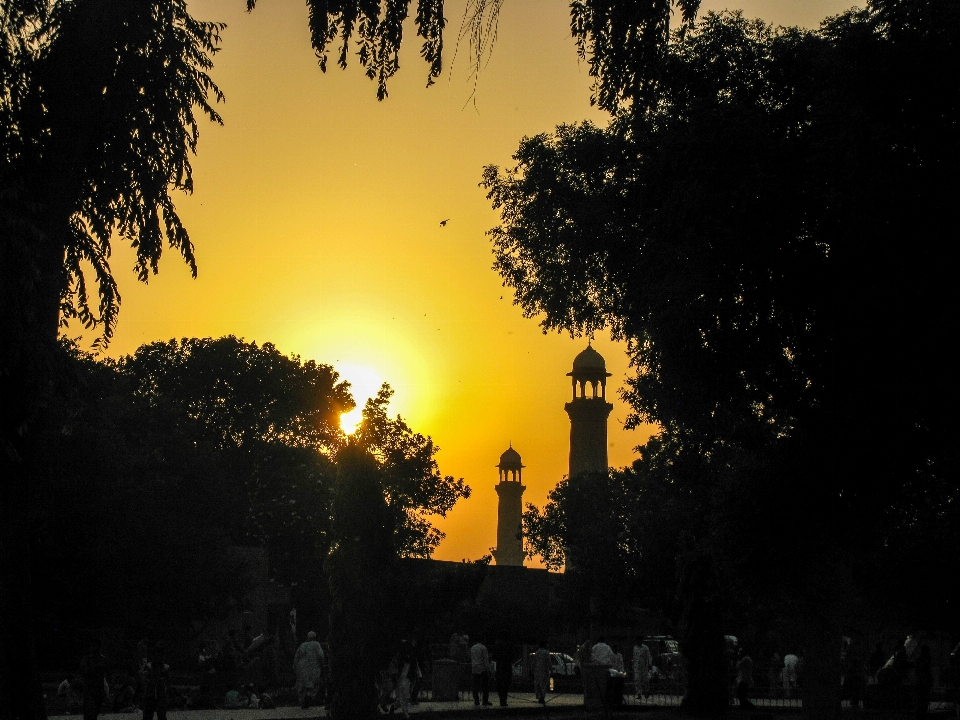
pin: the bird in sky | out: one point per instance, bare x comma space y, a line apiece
443, 223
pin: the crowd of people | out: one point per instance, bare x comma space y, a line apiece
144, 683
139, 681
903, 675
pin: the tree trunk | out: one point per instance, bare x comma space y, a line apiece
820, 676
702, 642
20, 692
32, 276
363, 587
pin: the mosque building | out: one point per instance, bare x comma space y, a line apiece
588, 412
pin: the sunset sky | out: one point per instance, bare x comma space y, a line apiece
316, 219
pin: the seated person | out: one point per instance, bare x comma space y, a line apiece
234, 700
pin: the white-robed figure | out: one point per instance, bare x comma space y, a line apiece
642, 662
541, 673
308, 663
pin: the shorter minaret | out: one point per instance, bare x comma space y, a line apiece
509, 550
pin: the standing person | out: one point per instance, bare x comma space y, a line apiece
480, 668
156, 674
541, 672
93, 673
744, 680
853, 682
405, 665
503, 657
308, 664
790, 664
583, 653
617, 674
775, 674
924, 674
417, 677
642, 660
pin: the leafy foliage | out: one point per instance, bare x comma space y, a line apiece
233, 392
624, 43
130, 520
746, 236
99, 133
414, 487
623, 40
735, 237
154, 466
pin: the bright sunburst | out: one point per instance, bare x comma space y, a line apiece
364, 384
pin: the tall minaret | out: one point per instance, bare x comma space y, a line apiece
509, 550
588, 413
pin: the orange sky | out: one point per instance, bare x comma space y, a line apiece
316, 223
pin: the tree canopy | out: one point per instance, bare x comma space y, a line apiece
155, 465
236, 392
769, 240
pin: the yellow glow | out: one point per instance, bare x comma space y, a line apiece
316, 220
364, 384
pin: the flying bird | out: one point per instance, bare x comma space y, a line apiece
443, 223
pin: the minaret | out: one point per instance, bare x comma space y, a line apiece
588, 413
509, 550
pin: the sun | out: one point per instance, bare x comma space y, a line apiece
364, 384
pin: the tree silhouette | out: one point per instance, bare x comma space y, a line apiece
746, 237
99, 117
98, 107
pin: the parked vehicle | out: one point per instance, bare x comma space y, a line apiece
666, 654
561, 664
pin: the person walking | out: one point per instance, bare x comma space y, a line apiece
503, 659
480, 669
406, 664
93, 673
617, 674
308, 664
790, 665
156, 681
541, 672
642, 660
853, 681
744, 681
924, 681
417, 676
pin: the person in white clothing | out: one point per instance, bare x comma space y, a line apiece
642, 661
308, 663
603, 654
480, 667
405, 665
790, 664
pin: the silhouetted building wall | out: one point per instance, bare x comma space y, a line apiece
509, 550
588, 413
